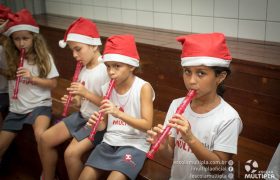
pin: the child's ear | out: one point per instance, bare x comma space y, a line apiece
222, 76
94, 48
132, 68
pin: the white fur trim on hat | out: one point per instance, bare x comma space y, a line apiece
83, 39
204, 60
121, 58
21, 27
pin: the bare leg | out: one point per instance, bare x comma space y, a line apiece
116, 175
73, 157
51, 138
90, 173
40, 125
6, 139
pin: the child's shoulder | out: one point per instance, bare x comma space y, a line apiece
140, 81
177, 100
228, 108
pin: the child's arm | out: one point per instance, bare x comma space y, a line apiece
76, 100
42, 82
146, 121
79, 89
217, 159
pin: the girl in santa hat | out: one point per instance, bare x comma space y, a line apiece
204, 138
37, 77
129, 114
83, 39
4, 96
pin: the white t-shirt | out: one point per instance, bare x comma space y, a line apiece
273, 170
3, 65
94, 79
118, 132
31, 96
216, 130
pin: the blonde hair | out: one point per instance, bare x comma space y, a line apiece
38, 55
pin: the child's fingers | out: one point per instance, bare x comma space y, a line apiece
64, 98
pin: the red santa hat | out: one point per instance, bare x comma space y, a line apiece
121, 48
4, 11
204, 49
21, 21
81, 30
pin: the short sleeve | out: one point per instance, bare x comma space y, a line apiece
227, 136
53, 72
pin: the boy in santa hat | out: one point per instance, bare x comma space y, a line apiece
83, 39
204, 138
129, 114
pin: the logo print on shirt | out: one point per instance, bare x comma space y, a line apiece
128, 159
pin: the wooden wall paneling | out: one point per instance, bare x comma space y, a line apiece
252, 99
254, 83
259, 125
64, 60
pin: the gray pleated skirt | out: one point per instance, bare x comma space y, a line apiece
77, 127
14, 122
125, 159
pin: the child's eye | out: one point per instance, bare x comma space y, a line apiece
187, 71
116, 66
200, 73
16, 39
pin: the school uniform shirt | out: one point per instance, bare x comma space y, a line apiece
118, 132
216, 130
31, 96
93, 79
3, 79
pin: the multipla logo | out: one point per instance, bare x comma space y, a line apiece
251, 167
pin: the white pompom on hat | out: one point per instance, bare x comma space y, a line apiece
81, 30
204, 49
21, 21
121, 48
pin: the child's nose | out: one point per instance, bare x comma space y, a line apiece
75, 55
193, 78
111, 71
21, 43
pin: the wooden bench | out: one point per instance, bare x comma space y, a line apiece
252, 88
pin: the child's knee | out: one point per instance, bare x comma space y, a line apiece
71, 153
44, 140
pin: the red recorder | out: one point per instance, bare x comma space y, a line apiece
180, 110
107, 96
79, 66
22, 55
